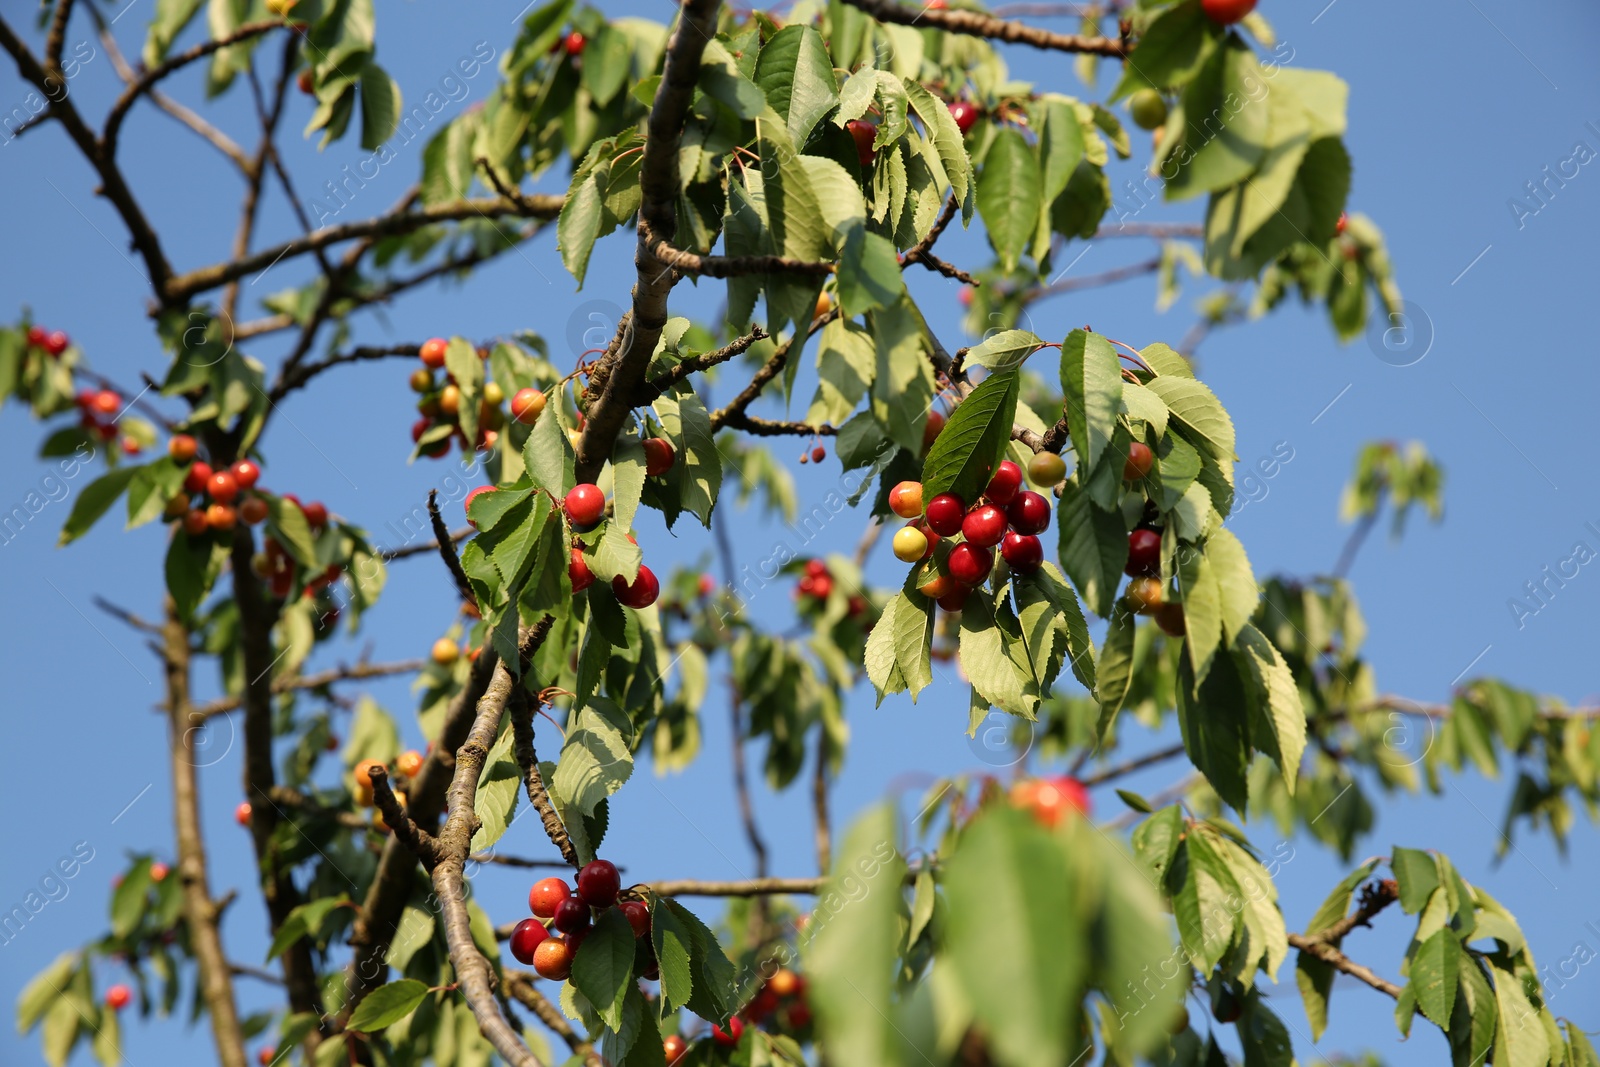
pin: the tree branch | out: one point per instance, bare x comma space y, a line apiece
520, 984
418, 841
474, 975
200, 911
1092, 281
975, 25
1129, 766
318, 680
447, 550
528, 759
292, 378
749, 887
737, 347
734, 410
621, 372
112, 185
680, 259
375, 924
184, 286
130, 95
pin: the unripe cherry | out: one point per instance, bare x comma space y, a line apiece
546, 894
527, 405
221, 517
673, 1046
1046, 469
432, 352
905, 500
910, 544
552, 959
182, 447
445, 652
466, 505
1145, 595
106, 402
253, 510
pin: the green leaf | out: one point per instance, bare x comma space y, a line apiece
547, 454
1196, 409
461, 360
795, 74
171, 16
1418, 876
607, 58
1434, 969
674, 946
62, 1024
596, 759
1114, 676
152, 486
1338, 901
1170, 51
974, 441
987, 661
604, 965
1212, 720
107, 1043
1015, 936
1008, 196
721, 80
850, 958
903, 386
882, 660
697, 475
1093, 546
1225, 124
1004, 350
1206, 921
288, 526
380, 106
946, 138
1520, 1040
869, 273
1278, 721
304, 921
43, 991
191, 566
713, 972
1091, 386
1474, 1020
913, 641
499, 785
387, 1004
1314, 977
94, 501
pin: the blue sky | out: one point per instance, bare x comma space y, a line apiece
1453, 109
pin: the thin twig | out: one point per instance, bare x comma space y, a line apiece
447, 550
318, 680
974, 24
420, 843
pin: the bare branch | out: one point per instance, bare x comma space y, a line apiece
418, 841
748, 887
57, 40
1092, 281
1127, 767
447, 550
774, 365
680, 259
1158, 230
975, 25
528, 759
200, 911
426, 547
318, 680
197, 281
130, 95
737, 347
292, 378
520, 984
502, 860
620, 373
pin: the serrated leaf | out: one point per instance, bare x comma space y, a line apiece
987, 662
1278, 722
1200, 905
674, 946
604, 964
1004, 350
387, 1004
913, 640
1196, 408
1417, 875
882, 661
596, 759
973, 441
94, 500
1093, 547
1009, 196
1434, 969
288, 526
902, 385
796, 76
1091, 384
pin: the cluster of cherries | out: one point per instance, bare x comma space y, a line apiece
585, 505
1006, 515
51, 342
99, 408
965, 112
816, 585
441, 404
1144, 593
571, 914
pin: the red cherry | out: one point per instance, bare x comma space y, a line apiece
1144, 553
708, 585
1002, 488
1022, 552
935, 424
419, 428
466, 505
37, 335
1339, 227
658, 456
432, 352
316, 514
815, 568
641, 594
253, 510
1029, 513
955, 599
585, 505
525, 938
106, 402
223, 487
864, 133
546, 894
1140, 460
819, 454
578, 572
945, 513
673, 1046
822, 586
599, 883
970, 565
246, 473
265, 1056
198, 477
729, 1037
638, 915
965, 113
1227, 12
571, 915
984, 526
574, 43
56, 343
118, 996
